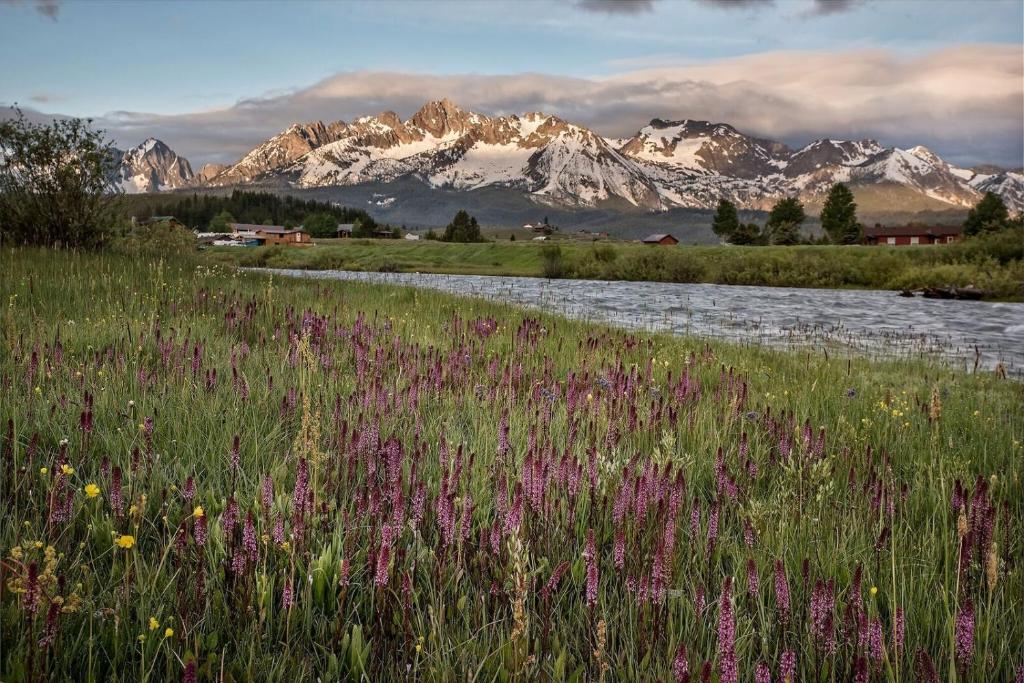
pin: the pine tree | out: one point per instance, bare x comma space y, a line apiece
988, 215
463, 228
746, 233
786, 217
726, 220
839, 216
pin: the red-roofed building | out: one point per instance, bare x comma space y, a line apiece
912, 234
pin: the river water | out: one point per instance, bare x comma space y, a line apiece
868, 322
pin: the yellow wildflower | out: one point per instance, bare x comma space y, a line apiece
92, 490
125, 541
168, 632
142, 637
198, 511
43, 470
153, 624
874, 590
68, 470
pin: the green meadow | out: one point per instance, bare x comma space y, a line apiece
209, 474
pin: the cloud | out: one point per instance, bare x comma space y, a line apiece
616, 6
826, 7
46, 98
47, 8
737, 4
966, 103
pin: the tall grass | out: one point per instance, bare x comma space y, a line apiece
211, 475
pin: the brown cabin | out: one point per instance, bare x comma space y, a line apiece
662, 239
912, 234
265, 235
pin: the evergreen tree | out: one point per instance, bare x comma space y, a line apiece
786, 234
988, 215
839, 216
726, 220
786, 217
746, 233
463, 228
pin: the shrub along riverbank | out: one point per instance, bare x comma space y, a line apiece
994, 262
217, 475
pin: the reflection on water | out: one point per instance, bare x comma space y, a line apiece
874, 323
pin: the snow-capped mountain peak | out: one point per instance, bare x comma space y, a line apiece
667, 163
150, 167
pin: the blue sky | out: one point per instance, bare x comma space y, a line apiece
195, 63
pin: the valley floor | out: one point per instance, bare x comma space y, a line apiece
994, 264
217, 475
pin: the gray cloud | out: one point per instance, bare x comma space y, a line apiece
966, 103
616, 6
826, 7
737, 4
48, 8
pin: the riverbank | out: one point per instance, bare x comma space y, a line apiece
994, 264
865, 323
199, 461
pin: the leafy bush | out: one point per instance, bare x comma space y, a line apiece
554, 265
155, 239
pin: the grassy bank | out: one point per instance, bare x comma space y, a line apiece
221, 476
995, 264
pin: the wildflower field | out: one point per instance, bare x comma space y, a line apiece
210, 475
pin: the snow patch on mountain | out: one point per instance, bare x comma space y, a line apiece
683, 163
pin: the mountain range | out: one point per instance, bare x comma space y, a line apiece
553, 163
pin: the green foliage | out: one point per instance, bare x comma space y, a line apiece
155, 239
198, 211
432, 235
785, 234
55, 183
787, 210
553, 261
747, 233
463, 228
221, 222
839, 216
362, 229
988, 215
321, 224
726, 220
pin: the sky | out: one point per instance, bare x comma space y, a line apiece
212, 79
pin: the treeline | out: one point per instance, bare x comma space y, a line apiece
838, 221
198, 211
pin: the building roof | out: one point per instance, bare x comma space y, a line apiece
913, 231
271, 229
348, 227
657, 237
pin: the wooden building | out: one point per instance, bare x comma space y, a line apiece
266, 235
912, 234
662, 239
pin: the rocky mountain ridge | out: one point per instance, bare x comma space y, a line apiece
665, 165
